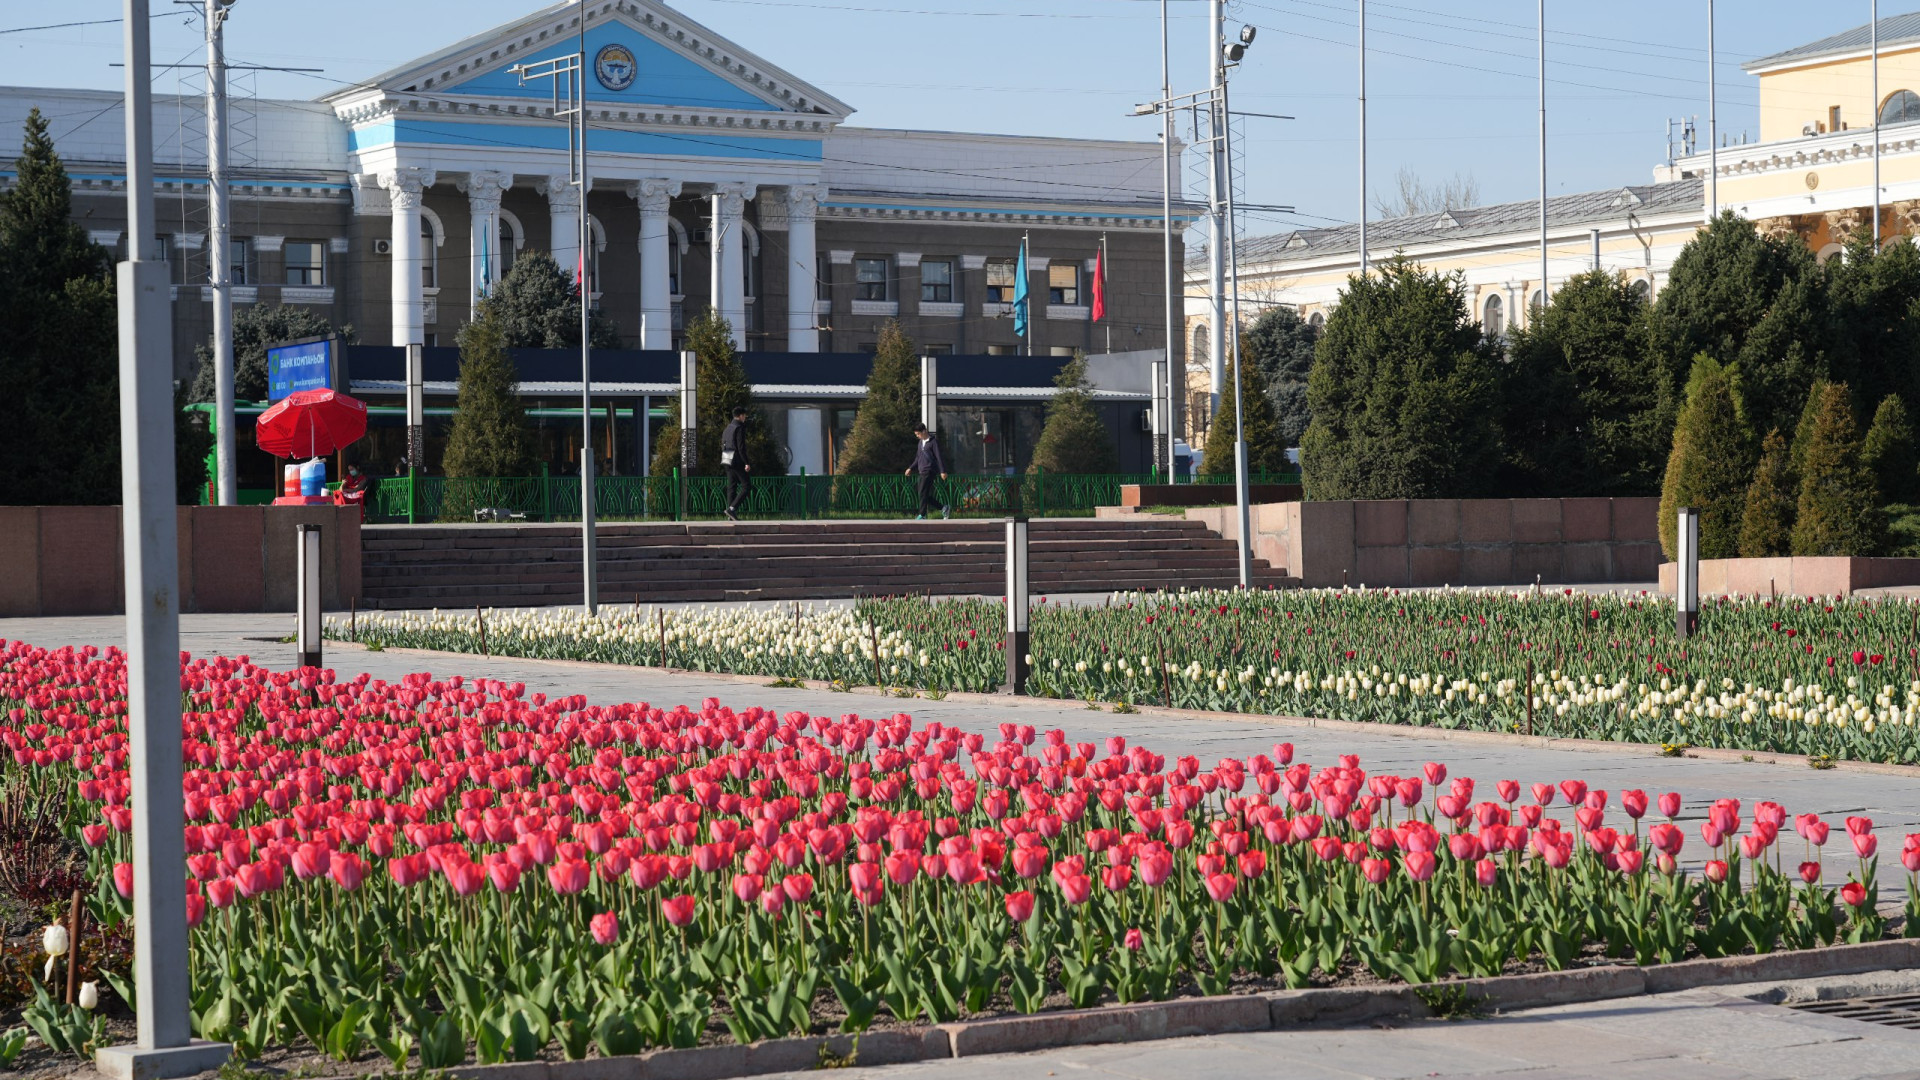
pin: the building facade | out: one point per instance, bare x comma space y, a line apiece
715, 178
1811, 176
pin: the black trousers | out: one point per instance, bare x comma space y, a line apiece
927, 501
738, 481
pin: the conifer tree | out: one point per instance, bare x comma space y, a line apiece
1711, 465
1074, 439
1803, 429
720, 384
1404, 394
1766, 527
255, 328
1889, 451
1280, 343
882, 442
489, 436
1266, 450
539, 307
1839, 508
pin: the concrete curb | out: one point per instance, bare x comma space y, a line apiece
1214, 1016
1405, 731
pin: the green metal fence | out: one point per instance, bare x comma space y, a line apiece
669, 498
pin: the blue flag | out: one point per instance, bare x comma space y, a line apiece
1020, 293
486, 266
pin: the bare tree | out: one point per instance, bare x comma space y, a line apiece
1414, 196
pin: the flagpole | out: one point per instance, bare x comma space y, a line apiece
1103, 282
1026, 280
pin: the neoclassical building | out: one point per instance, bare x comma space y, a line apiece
716, 177
1810, 175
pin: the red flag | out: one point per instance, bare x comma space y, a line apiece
1100, 284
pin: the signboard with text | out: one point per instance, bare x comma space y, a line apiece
301, 365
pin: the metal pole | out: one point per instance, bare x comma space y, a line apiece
1542, 27
1017, 642
1687, 574
220, 273
1175, 325
1713, 127
1874, 21
150, 537
1216, 204
589, 564
930, 393
1240, 494
416, 423
1595, 234
1363, 138
307, 586
689, 423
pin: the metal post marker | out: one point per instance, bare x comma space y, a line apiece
163, 1045
219, 268
930, 392
1017, 670
1161, 417
416, 424
307, 588
689, 424
1687, 575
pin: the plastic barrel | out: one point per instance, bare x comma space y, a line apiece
313, 478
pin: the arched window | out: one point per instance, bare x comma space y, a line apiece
1643, 289
1198, 354
503, 247
1901, 107
429, 255
1534, 305
1317, 321
1491, 320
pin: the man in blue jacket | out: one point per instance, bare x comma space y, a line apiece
932, 466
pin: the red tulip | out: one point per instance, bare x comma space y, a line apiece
1485, 871
196, 910
1075, 888
347, 870
1134, 941
677, 909
123, 878
1634, 802
1853, 894
1715, 871
1810, 872
1574, 790
798, 887
1508, 790
1376, 870
1420, 864
1436, 773
1865, 844
504, 874
1019, 906
1221, 887
1670, 804
93, 835
606, 928
567, 876
1252, 864
220, 892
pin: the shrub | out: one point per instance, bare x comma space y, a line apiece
1074, 439
1889, 452
881, 441
1711, 465
1266, 450
1839, 509
1766, 529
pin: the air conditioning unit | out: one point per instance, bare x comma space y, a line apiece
1146, 421
383, 247
1810, 129
700, 236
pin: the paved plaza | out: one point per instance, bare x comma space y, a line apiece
1698, 1035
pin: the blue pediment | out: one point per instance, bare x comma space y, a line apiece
624, 66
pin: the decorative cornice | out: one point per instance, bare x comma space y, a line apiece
840, 258
730, 199
1073, 218
406, 187
644, 118
483, 190
972, 262
269, 243
906, 259
654, 194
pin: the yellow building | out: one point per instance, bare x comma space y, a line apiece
1811, 175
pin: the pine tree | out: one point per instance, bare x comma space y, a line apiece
1839, 508
1803, 429
1404, 394
1584, 410
1758, 303
1074, 439
1875, 297
881, 442
489, 436
1766, 527
1889, 451
1266, 450
59, 344
1711, 465
255, 327
720, 385
539, 307
1280, 343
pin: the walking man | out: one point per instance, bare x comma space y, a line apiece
733, 455
932, 466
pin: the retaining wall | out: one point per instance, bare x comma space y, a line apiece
1403, 543
68, 560
1804, 576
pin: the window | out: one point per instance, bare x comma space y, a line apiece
936, 350
503, 246
936, 282
870, 279
429, 256
1833, 118
236, 262
747, 267
822, 277
1063, 284
1000, 273
1000, 350
1198, 354
1534, 305
165, 241
1490, 319
673, 266
1902, 107
1060, 350
306, 262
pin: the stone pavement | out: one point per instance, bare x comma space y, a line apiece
1696, 1035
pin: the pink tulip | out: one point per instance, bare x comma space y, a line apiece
1865, 844
1420, 864
1485, 871
504, 875
1075, 888
678, 910
347, 870
798, 887
567, 876
1376, 870
1134, 941
123, 880
1221, 887
1810, 872
1019, 906
1715, 871
1670, 804
1634, 802
606, 928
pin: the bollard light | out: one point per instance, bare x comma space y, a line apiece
1687, 574
930, 392
1016, 646
307, 589
689, 423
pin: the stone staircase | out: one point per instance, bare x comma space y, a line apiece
453, 566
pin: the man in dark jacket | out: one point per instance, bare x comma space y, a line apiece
931, 464
733, 455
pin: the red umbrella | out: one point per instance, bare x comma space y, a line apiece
311, 422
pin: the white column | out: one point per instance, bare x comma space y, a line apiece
656, 296
563, 210
803, 203
728, 286
406, 188
483, 202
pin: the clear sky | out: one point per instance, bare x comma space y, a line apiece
1451, 84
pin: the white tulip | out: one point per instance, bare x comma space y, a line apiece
53, 940
89, 996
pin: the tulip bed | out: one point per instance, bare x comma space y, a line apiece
438, 870
1828, 678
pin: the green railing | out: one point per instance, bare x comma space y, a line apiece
557, 498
